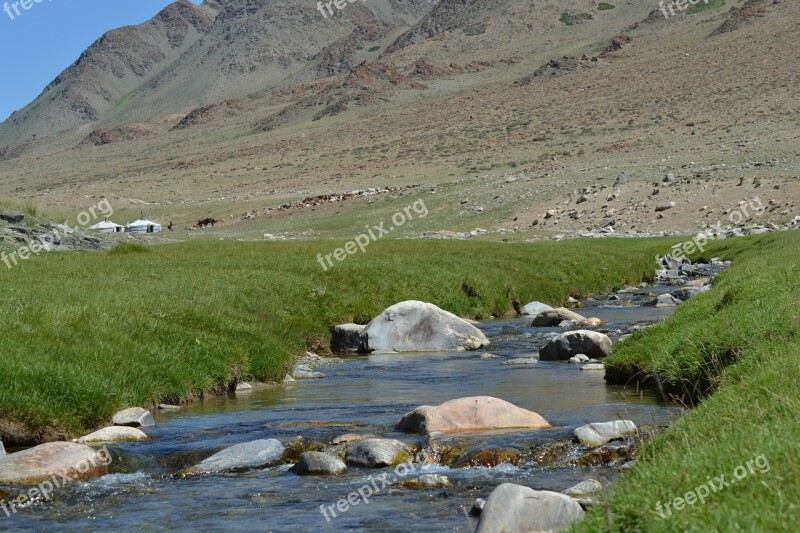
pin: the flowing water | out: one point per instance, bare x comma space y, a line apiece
363, 395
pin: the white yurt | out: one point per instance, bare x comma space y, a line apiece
143, 226
107, 227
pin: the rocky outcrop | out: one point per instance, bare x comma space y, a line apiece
135, 417
114, 434
35, 465
378, 453
513, 507
470, 414
318, 464
595, 435
256, 454
572, 343
414, 326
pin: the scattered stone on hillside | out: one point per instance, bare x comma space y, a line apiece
469, 414
378, 453
256, 454
555, 316
597, 434
135, 417
513, 507
572, 343
41, 463
622, 179
427, 481
12, 218
534, 308
664, 206
114, 434
318, 464
414, 326
346, 338
584, 488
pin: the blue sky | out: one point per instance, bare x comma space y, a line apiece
44, 40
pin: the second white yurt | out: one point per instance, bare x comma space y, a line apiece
107, 227
143, 226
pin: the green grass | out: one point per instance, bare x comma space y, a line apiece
374, 48
735, 350
605, 6
570, 19
702, 6
85, 334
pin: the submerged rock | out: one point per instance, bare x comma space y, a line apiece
420, 327
521, 361
600, 433
38, 464
489, 457
572, 343
318, 464
135, 417
534, 308
477, 507
555, 316
428, 481
306, 372
114, 434
351, 437
255, 454
514, 508
468, 414
377, 453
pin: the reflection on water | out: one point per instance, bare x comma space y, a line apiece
365, 395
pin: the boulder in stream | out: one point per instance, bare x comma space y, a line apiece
556, 316
378, 453
319, 464
584, 488
428, 481
534, 308
470, 414
572, 343
602, 432
246, 456
513, 507
41, 463
414, 326
114, 434
346, 338
135, 417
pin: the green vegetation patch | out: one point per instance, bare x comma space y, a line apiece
374, 48
85, 334
570, 19
736, 349
703, 6
476, 29
605, 6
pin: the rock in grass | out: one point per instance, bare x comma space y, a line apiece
346, 338
38, 464
12, 218
114, 434
414, 326
428, 481
377, 453
602, 432
584, 488
469, 414
515, 508
534, 308
256, 454
135, 417
572, 343
318, 464
556, 316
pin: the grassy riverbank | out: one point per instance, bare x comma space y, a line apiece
737, 349
85, 334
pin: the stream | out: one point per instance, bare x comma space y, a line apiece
362, 395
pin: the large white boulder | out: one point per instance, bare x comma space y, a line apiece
470, 414
135, 417
554, 317
38, 464
414, 326
513, 508
114, 434
534, 308
602, 432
